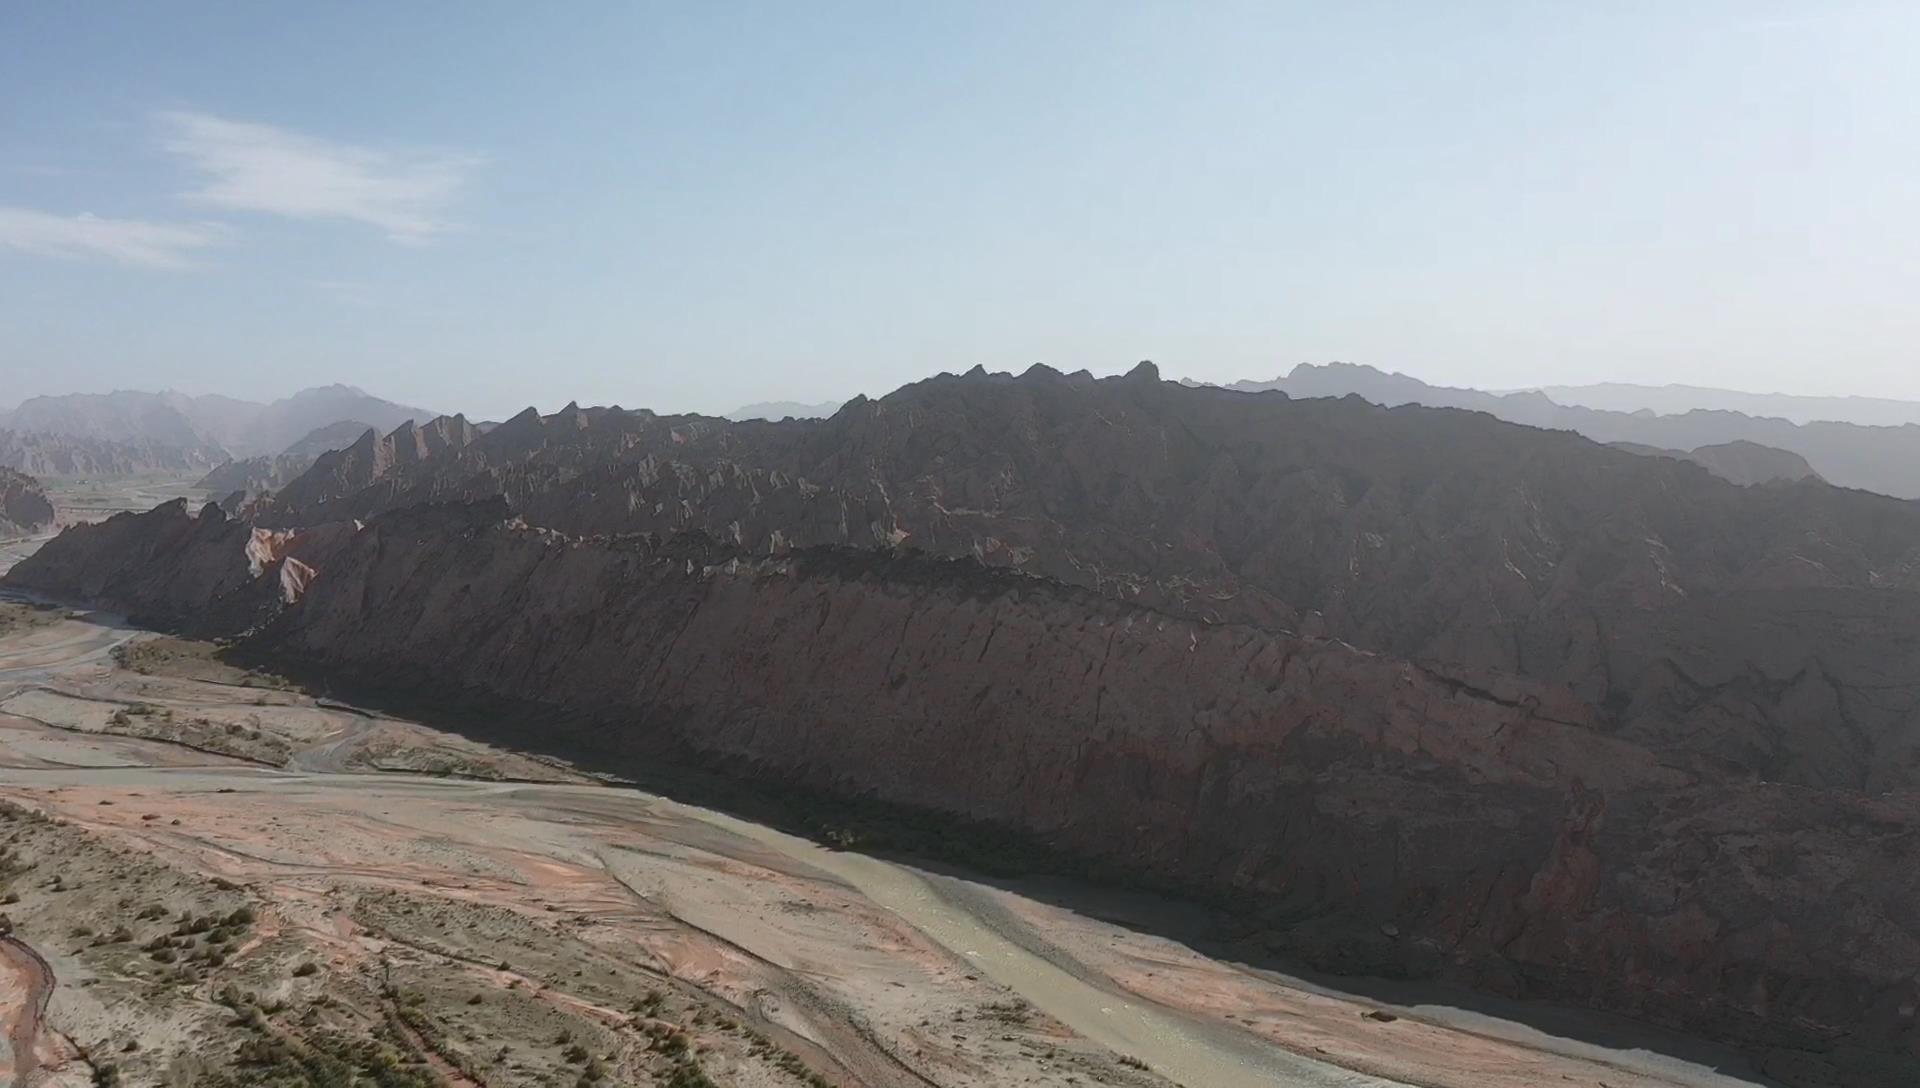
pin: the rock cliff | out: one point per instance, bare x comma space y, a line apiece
24, 507
1758, 626
1423, 692
1371, 813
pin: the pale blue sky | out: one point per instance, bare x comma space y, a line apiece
480, 206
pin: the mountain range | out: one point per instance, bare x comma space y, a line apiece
251, 477
1678, 399
784, 409
210, 428
58, 455
1419, 692
1875, 458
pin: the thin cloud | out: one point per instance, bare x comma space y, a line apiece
124, 241
349, 291
262, 168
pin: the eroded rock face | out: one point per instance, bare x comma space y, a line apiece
1762, 623
1427, 692
208, 574
1377, 814
24, 507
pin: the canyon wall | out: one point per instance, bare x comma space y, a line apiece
1368, 813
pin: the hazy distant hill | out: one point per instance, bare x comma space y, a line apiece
1744, 463
112, 417
57, 455
274, 427
258, 475
783, 409
225, 426
333, 436
1676, 399
1883, 459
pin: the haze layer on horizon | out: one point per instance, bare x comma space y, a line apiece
698, 208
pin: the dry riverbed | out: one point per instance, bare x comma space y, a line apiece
210, 878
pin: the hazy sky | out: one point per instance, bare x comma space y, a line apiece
479, 206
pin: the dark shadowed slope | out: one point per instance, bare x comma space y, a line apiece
24, 507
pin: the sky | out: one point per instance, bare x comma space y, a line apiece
479, 206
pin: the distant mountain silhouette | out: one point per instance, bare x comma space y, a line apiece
1676, 399
784, 409
51, 456
1884, 459
1744, 463
213, 427
125, 417
252, 476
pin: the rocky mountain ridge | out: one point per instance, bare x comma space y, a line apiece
1433, 693
209, 428
1436, 536
1371, 814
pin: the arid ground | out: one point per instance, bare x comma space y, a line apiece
212, 878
